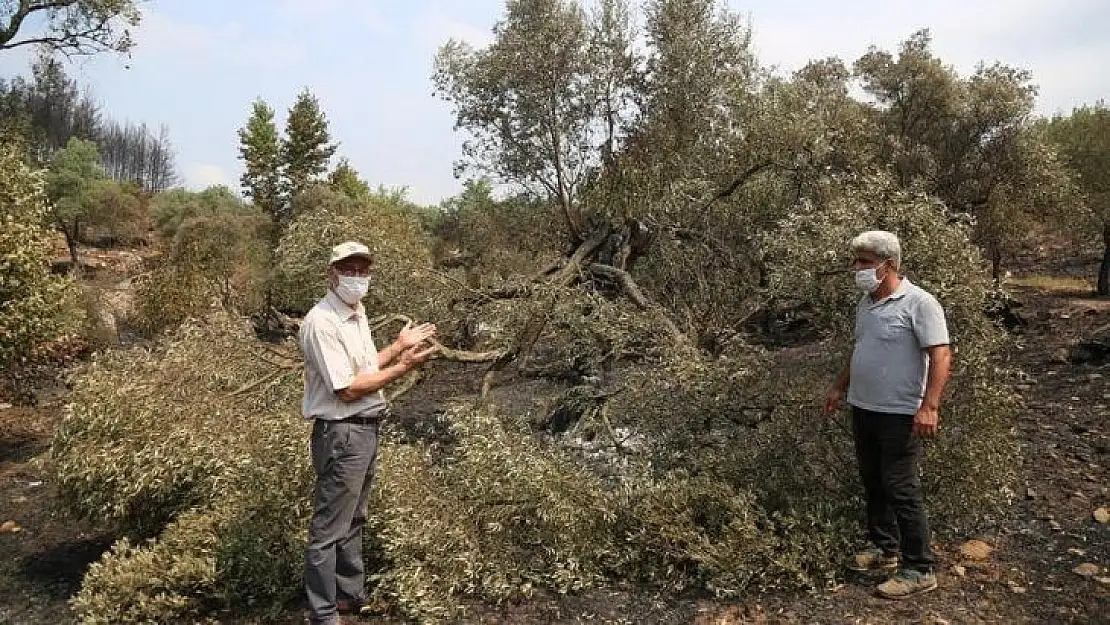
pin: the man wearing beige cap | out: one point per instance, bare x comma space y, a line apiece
344, 375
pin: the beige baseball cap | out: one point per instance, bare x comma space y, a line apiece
349, 249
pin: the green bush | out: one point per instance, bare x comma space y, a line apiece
119, 213
213, 462
35, 306
161, 581
169, 209
402, 282
232, 252
503, 238
213, 261
167, 296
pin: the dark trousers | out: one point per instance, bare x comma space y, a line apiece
889, 458
344, 456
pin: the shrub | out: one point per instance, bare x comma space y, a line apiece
161, 581
503, 238
217, 260
35, 306
402, 261
231, 252
119, 213
169, 209
213, 462
167, 296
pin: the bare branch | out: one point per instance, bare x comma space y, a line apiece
81, 30
737, 183
632, 290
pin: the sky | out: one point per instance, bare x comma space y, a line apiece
199, 64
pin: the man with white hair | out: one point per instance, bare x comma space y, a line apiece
894, 381
343, 377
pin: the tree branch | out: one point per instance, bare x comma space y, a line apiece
632, 290
94, 38
737, 183
584, 251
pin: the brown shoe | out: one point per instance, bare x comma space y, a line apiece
348, 607
873, 560
907, 583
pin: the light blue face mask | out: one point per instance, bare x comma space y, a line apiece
351, 289
867, 280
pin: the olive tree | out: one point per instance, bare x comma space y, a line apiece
34, 304
73, 27
542, 103
965, 140
1083, 138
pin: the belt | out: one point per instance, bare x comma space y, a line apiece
361, 419
366, 418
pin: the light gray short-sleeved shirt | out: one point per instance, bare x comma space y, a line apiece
889, 362
336, 343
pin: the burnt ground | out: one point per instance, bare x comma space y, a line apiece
1064, 427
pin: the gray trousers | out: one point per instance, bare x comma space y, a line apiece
344, 456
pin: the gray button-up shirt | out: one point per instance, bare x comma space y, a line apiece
889, 362
336, 343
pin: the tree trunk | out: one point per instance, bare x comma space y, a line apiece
1104, 268
71, 243
996, 264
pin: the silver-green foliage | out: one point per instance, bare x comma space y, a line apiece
213, 462
35, 306
402, 259
970, 469
196, 441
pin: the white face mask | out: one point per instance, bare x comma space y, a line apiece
867, 280
351, 289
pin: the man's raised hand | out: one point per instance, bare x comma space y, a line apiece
414, 336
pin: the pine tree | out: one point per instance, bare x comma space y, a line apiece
306, 149
260, 149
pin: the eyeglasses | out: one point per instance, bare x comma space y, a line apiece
864, 262
353, 272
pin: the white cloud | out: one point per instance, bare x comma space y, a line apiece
203, 175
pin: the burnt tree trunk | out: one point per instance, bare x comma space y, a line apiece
71, 243
1104, 268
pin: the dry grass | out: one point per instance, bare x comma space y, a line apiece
1052, 283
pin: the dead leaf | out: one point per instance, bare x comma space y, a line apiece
9, 527
976, 550
1102, 515
1087, 569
